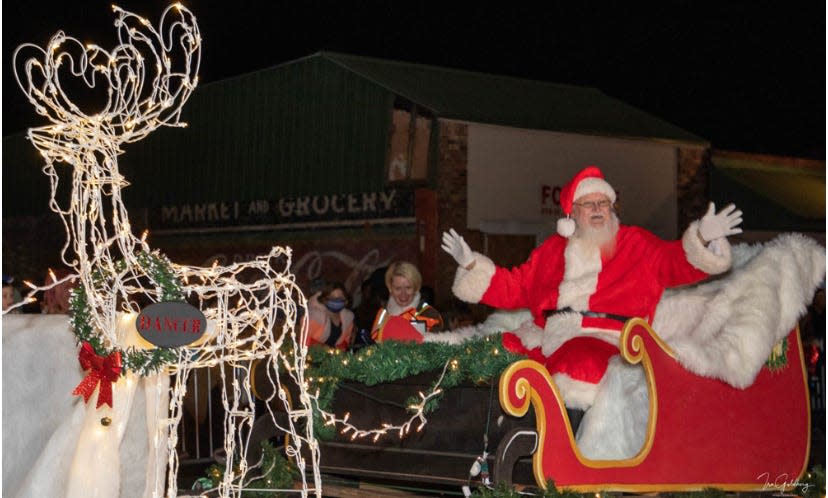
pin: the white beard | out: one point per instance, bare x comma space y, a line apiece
601, 237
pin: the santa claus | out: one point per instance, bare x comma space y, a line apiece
581, 285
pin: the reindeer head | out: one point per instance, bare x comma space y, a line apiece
126, 93
96, 100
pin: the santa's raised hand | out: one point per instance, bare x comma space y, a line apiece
454, 244
714, 225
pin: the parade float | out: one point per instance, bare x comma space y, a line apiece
731, 421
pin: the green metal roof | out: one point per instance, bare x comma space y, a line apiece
320, 125
507, 101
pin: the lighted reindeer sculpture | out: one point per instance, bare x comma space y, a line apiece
252, 307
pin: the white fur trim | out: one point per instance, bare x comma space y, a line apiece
470, 285
711, 260
454, 337
566, 227
575, 393
557, 330
497, 322
726, 328
616, 426
582, 266
593, 185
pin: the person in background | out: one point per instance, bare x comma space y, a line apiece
10, 294
374, 296
56, 299
329, 321
406, 316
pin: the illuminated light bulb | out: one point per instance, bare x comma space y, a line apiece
29, 284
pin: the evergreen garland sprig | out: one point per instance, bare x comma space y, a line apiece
277, 472
476, 360
143, 362
778, 357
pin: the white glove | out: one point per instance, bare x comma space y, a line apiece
454, 244
724, 223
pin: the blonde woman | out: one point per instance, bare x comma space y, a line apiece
406, 316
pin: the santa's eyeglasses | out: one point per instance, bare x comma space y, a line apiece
594, 205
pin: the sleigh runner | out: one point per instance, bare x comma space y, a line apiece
701, 431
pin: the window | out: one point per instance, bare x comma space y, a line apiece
408, 151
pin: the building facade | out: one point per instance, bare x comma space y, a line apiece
355, 162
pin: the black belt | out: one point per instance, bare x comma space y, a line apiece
588, 314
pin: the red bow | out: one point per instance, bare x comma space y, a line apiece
104, 370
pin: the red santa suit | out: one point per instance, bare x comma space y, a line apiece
589, 294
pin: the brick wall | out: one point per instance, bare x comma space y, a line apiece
692, 185
451, 201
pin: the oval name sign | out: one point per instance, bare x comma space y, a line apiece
171, 324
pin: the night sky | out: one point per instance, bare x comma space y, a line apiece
746, 75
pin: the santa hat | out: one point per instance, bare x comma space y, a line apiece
589, 180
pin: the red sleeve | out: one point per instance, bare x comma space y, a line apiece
671, 266
511, 289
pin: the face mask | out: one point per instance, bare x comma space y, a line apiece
335, 304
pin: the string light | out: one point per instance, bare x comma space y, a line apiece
418, 415
257, 295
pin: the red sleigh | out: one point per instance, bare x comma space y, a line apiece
701, 431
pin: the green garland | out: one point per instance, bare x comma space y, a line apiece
143, 362
778, 358
477, 360
277, 473
503, 490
